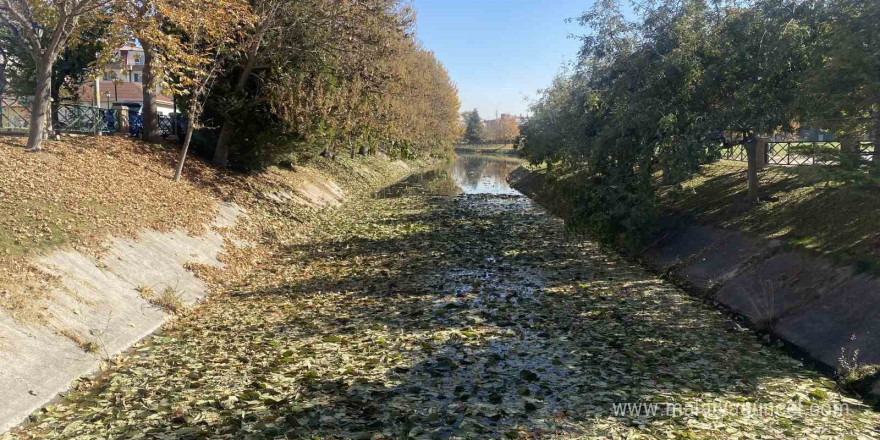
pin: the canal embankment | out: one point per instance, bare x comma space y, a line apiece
827, 312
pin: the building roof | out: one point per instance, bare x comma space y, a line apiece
127, 92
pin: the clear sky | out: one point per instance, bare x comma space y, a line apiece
499, 51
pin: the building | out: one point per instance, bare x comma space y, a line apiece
128, 94
127, 65
122, 84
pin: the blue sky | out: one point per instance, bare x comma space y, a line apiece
498, 51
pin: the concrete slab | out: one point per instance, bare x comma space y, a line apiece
825, 310
680, 243
722, 261
843, 323
99, 303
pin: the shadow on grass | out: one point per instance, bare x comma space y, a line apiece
827, 210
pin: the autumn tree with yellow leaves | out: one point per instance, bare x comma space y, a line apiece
45, 29
265, 81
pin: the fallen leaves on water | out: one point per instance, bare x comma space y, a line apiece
447, 317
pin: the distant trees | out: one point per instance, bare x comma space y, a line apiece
660, 91
477, 131
503, 129
473, 132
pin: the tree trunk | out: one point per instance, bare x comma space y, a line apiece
183, 151
40, 107
849, 150
751, 144
221, 151
875, 162
150, 130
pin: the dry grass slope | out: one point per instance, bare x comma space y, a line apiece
83, 190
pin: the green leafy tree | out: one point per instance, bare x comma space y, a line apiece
473, 132
762, 56
659, 90
843, 93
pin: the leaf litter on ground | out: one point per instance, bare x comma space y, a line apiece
445, 317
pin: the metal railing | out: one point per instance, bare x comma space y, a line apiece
793, 153
735, 152
166, 126
814, 153
15, 114
15, 117
75, 118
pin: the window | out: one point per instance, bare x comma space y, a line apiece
138, 59
107, 76
137, 77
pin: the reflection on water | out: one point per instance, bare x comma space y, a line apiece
484, 174
466, 174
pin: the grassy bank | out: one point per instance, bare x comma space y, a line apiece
823, 210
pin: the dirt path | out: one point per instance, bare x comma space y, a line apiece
454, 317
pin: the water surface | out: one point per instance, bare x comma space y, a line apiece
467, 173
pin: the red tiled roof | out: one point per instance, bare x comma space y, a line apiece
128, 92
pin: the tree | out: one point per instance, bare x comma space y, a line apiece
196, 39
473, 132
333, 74
273, 17
508, 129
139, 21
657, 90
71, 69
29, 20
844, 92
763, 56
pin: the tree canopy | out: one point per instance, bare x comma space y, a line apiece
263, 81
473, 132
660, 91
